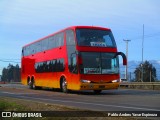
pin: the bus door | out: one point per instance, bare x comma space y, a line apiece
72, 77
72, 59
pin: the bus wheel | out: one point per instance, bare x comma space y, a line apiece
64, 85
32, 84
97, 91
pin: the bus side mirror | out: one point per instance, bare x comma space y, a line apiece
73, 59
73, 63
72, 56
123, 56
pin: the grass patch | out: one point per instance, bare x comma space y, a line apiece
11, 106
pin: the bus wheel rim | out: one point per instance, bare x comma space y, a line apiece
64, 85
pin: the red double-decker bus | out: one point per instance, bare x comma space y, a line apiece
75, 58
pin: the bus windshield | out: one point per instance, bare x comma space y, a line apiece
95, 38
99, 63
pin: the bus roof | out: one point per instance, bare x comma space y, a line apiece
71, 27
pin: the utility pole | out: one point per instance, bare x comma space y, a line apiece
126, 75
150, 76
142, 51
130, 76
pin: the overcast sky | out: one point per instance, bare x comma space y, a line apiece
23, 21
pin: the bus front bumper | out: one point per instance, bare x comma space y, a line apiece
99, 86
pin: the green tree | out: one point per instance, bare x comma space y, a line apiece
16, 73
4, 74
11, 73
149, 72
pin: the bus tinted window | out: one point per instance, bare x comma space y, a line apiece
59, 38
24, 51
95, 38
45, 44
50, 66
60, 65
70, 37
32, 48
99, 63
51, 42
38, 47
28, 50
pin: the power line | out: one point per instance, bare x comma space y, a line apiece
139, 37
9, 61
146, 36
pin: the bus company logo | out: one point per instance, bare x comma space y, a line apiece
6, 114
21, 114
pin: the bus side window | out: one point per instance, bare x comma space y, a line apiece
59, 38
52, 42
70, 37
44, 44
28, 50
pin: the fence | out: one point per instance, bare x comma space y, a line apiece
141, 85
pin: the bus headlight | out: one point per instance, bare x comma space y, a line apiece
114, 81
85, 81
